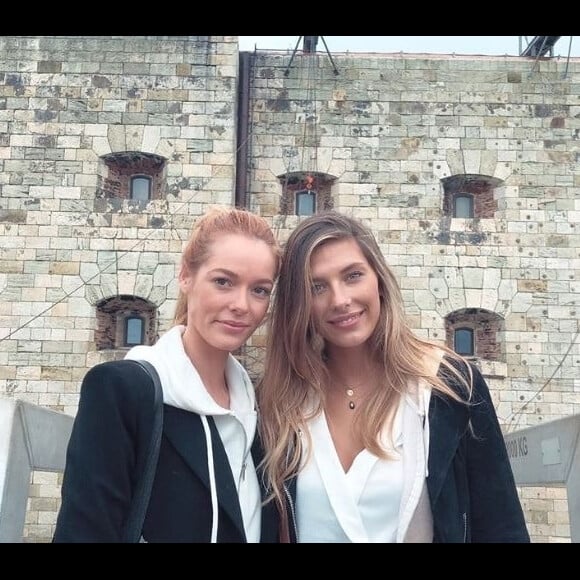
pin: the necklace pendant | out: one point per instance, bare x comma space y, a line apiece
349, 393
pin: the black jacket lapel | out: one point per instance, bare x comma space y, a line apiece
185, 432
447, 424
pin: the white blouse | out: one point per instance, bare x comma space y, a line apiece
362, 505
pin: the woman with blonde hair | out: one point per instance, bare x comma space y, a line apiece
371, 433
205, 487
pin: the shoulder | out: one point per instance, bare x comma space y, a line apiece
116, 401
124, 371
463, 377
455, 368
467, 381
122, 381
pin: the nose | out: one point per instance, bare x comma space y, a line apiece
341, 299
239, 301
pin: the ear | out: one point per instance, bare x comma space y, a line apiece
184, 279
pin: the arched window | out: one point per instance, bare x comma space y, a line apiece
132, 175
305, 202
463, 341
140, 188
475, 332
463, 206
124, 321
134, 330
305, 193
470, 196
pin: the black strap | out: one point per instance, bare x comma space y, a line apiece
134, 523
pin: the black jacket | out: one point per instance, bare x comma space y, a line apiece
109, 439
471, 487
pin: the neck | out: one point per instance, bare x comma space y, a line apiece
210, 364
352, 379
350, 368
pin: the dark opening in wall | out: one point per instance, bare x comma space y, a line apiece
132, 175
470, 196
475, 332
306, 193
125, 321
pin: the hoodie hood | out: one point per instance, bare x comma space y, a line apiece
181, 383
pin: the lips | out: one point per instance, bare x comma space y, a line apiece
346, 319
234, 324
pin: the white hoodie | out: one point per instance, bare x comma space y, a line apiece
184, 389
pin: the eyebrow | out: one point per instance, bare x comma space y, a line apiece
232, 274
349, 267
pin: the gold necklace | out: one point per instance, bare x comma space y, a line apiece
350, 393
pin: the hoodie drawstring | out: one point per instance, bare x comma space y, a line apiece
212, 484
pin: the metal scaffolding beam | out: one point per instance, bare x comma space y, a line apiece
540, 46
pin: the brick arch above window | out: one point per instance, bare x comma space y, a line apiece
487, 328
118, 171
113, 315
480, 188
299, 184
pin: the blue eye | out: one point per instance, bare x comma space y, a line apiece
221, 281
317, 288
355, 275
264, 292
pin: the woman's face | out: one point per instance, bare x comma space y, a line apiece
227, 298
346, 302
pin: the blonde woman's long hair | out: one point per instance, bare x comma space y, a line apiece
295, 373
219, 221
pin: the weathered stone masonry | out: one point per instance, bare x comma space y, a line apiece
393, 132
66, 103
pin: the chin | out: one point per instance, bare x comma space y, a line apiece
349, 342
229, 345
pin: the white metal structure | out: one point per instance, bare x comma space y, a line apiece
31, 438
549, 455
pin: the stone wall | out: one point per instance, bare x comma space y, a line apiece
389, 132
65, 104
393, 131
